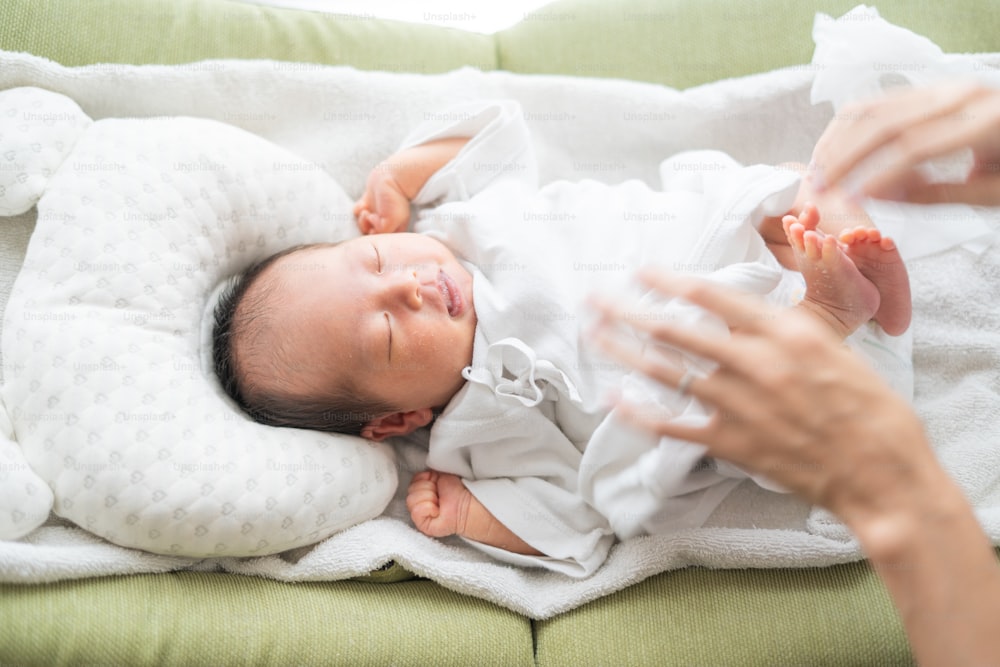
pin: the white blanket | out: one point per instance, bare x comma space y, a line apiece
348, 120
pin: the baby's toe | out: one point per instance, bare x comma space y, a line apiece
795, 232
830, 249
852, 236
787, 222
813, 245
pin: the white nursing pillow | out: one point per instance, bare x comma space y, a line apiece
111, 399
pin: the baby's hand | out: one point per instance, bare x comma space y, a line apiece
383, 208
438, 503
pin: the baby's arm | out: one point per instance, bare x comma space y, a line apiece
385, 205
441, 505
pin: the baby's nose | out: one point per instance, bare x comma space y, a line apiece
407, 288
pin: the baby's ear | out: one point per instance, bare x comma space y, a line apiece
398, 423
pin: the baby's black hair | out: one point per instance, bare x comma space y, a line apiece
243, 313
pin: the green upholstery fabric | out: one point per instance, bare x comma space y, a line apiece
834, 616
680, 43
683, 43
190, 619
180, 31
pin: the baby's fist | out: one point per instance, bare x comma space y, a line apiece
438, 503
383, 208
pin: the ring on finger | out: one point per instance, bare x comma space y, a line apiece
685, 382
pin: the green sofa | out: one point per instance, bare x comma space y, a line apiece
832, 616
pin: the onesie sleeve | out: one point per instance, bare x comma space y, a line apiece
499, 149
523, 469
573, 536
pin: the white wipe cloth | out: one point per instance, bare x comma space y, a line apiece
348, 121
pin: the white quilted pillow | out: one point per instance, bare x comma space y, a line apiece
26, 500
139, 223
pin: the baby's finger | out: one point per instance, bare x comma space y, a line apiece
364, 202
422, 505
423, 475
423, 499
369, 223
421, 482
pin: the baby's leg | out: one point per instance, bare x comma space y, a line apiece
836, 290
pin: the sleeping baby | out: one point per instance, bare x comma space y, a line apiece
473, 324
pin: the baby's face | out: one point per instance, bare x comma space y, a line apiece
394, 312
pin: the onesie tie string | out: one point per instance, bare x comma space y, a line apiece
513, 370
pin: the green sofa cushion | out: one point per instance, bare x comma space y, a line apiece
833, 616
679, 43
181, 31
189, 619
683, 43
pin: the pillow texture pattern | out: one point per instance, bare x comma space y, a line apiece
26, 499
111, 394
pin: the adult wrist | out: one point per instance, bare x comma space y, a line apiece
903, 521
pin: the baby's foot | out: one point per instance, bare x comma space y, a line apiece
836, 290
879, 261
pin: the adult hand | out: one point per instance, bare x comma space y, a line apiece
791, 402
882, 142
794, 404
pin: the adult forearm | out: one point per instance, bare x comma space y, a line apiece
795, 405
942, 574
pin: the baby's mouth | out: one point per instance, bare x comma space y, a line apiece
450, 293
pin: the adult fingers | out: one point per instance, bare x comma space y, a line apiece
739, 310
858, 131
615, 318
725, 388
654, 422
980, 190
726, 435
890, 172
631, 355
